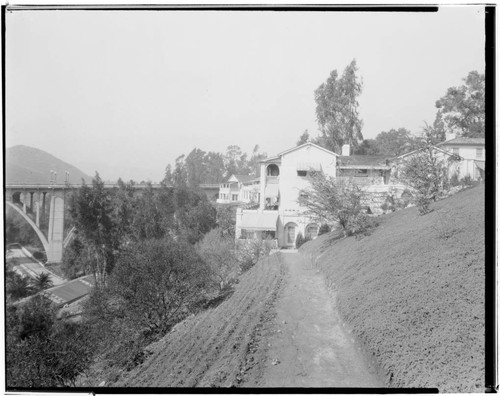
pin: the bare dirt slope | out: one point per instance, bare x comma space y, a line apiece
309, 346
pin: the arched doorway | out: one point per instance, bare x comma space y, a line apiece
290, 234
312, 231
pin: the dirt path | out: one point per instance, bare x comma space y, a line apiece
309, 346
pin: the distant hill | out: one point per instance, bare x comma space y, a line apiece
28, 165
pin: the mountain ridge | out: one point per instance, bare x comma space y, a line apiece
29, 165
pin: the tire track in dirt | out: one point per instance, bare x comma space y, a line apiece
212, 348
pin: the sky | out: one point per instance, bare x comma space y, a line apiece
125, 93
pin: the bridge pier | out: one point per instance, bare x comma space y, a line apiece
23, 197
56, 228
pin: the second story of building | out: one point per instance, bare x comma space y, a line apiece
467, 148
286, 174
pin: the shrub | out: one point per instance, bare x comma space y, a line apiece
219, 253
156, 280
250, 251
42, 352
301, 240
467, 181
40, 256
17, 286
454, 180
325, 228
427, 173
423, 203
362, 224
332, 199
41, 282
74, 260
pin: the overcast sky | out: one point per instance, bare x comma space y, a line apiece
127, 92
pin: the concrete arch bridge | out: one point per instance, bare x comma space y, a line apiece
44, 207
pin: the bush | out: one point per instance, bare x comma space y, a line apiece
362, 224
40, 256
324, 229
219, 253
156, 280
250, 251
42, 352
74, 261
301, 240
17, 286
427, 173
331, 199
454, 180
423, 203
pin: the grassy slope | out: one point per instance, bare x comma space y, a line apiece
220, 346
413, 292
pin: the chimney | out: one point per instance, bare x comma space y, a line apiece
346, 150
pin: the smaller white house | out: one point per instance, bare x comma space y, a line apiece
239, 189
473, 154
454, 160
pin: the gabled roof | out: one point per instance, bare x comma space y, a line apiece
463, 141
304, 145
420, 149
279, 155
243, 179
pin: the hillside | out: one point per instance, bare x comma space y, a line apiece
413, 292
28, 165
221, 346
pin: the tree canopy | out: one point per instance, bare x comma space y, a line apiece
337, 109
462, 110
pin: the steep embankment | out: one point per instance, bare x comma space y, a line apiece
413, 292
217, 347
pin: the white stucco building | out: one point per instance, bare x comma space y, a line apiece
473, 154
239, 189
279, 215
466, 157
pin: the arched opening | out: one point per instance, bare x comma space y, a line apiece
24, 236
273, 170
312, 231
290, 234
16, 198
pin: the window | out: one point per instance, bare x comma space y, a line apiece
235, 197
456, 150
301, 173
290, 233
273, 170
361, 173
303, 196
479, 153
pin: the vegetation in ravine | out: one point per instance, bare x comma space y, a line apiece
156, 257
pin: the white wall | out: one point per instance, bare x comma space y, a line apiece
290, 183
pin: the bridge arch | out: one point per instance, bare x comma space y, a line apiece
44, 240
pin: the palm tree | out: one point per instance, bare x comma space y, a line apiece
17, 286
42, 282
